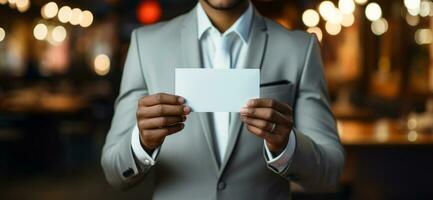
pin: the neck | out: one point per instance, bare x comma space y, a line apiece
224, 19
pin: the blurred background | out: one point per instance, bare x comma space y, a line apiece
61, 63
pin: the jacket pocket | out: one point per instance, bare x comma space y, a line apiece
283, 91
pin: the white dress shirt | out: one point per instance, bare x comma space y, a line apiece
208, 37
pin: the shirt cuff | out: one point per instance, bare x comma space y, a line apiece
141, 155
283, 160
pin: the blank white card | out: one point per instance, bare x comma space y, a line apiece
217, 90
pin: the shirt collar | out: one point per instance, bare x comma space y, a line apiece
240, 27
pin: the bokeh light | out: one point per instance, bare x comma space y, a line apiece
49, 10
22, 5
317, 31
40, 31
149, 12
379, 26
348, 20
425, 8
412, 4
2, 34
87, 19
102, 64
423, 36
76, 16
412, 20
65, 13
310, 18
332, 29
361, 2
59, 34
373, 11
346, 6
326, 9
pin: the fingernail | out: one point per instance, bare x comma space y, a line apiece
250, 103
244, 110
181, 100
186, 109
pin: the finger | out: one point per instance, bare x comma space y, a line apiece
155, 134
161, 98
259, 123
266, 125
154, 137
160, 122
270, 103
163, 110
267, 114
259, 132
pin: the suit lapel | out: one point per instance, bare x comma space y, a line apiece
257, 44
191, 59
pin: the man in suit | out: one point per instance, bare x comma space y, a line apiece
288, 134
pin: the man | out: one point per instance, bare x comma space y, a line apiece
288, 134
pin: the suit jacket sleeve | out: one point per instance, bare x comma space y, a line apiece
318, 160
118, 162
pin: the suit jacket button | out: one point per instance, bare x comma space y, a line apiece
221, 185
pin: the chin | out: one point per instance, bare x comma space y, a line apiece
224, 4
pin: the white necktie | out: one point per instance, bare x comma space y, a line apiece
221, 119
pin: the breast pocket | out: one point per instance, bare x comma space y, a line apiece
283, 91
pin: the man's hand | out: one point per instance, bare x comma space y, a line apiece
158, 116
269, 119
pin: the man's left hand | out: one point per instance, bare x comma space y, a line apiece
269, 119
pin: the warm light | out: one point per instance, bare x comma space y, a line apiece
346, 6
412, 136
431, 9
332, 29
87, 19
361, 2
317, 31
425, 8
3, 2
414, 12
326, 9
22, 5
373, 11
59, 34
76, 16
412, 20
335, 17
348, 20
412, 123
412, 4
102, 64
310, 18
379, 26
381, 130
2, 34
40, 31
423, 36
148, 12
49, 10
65, 13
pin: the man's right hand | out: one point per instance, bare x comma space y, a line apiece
158, 116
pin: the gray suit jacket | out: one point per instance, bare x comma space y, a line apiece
187, 166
